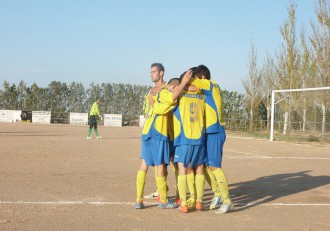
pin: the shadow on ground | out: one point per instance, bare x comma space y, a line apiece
269, 188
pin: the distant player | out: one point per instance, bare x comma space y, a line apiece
94, 114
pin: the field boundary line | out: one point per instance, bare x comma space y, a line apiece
148, 203
256, 156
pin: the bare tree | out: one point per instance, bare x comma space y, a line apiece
321, 43
252, 86
288, 61
268, 81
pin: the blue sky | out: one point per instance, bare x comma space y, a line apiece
116, 41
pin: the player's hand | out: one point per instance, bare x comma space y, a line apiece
155, 90
187, 76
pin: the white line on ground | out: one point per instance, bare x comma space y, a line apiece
149, 203
256, 156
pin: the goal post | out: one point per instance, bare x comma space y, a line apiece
299, 113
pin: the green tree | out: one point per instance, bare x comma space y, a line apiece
77, 98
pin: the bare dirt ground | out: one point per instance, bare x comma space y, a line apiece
52, 178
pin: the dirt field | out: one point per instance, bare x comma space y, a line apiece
52, 178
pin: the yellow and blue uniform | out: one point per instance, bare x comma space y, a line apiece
189, 129
155, 136
215, 133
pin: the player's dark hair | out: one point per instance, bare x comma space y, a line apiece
181, 76
174, 81
159, 66
202, 70
193, 71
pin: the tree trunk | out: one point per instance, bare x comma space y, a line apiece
286, 118
323, 118
251, 120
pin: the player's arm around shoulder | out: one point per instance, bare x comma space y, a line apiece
164, 102
203, 84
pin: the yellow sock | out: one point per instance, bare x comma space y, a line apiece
200, 179
175, 170
140, 182
156, 171
162, 188
182, 186
191, 185
212, 181
223, 185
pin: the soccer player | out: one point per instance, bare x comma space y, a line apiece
157, 72
189, 138
215, 136
93, 115
156, 147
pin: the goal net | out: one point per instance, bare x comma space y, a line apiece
300, 114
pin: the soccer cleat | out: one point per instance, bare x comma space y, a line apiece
168, 205
183, 209
153, 195
215, 201
139, 205
199, 206
158, 198
225, 208
89, 138
99, 137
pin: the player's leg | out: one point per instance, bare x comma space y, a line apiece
212, 181
218, 141
162, 159
192, 188
175, 170
155, 194
223, 186
161, 181
95, 129
200, 181
182, 187
90, 127
197, 161
140, 183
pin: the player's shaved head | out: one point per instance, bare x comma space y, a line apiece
174, 82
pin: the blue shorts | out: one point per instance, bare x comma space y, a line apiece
190, 154
155, 152
214, 149
172, 148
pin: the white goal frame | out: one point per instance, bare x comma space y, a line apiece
273, 104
